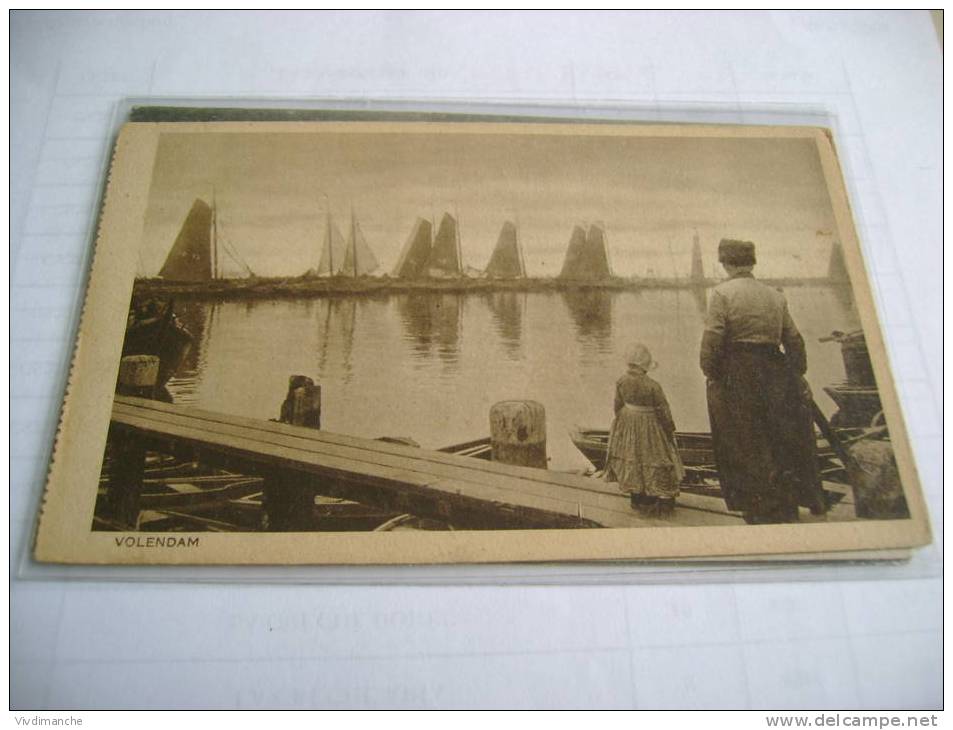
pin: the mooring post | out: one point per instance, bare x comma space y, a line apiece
125, 480
137, 376
875, 480
518, 433
288, 499
302, 404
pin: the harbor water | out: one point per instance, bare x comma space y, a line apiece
429, 366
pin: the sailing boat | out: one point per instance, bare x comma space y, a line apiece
836, 268
445, 258
359, 260
191, 257
152, 327
575, 254
698, 269
506, 262
415, 255
597, 249
427, 255
333, 251
195, 255
352, 257
588, 254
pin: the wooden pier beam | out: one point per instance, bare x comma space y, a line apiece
518, 433
288, 501
138, 375
125, 480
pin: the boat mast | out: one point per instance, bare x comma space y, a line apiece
215, 266
330, 240
519, 247
456, 214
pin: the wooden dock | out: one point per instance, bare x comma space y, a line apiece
300, 463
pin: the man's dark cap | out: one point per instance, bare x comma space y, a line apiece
736, 253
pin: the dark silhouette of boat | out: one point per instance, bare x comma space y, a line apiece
428, 255
153, 329
857, 398
694, 448
506, 262
698, 454
197, 253
339, 257
587, 256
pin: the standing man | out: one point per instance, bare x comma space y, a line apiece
758, 401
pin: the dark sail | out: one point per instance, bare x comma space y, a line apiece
415, 255
836, 268
191, 256
507, 260
445, 255
698, 271
574, 262
597, 253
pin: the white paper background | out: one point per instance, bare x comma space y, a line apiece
870, 640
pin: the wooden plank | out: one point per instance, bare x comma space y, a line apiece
840, 512
329, 437
125, 479
592, 495
542, 482
459, 470
334, 468
589, 499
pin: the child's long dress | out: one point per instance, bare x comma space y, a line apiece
642, 456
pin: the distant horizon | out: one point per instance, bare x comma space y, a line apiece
650, 195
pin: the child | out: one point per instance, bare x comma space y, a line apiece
642, 455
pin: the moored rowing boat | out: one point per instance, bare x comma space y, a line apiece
696, 451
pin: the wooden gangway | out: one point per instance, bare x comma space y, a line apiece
300, 463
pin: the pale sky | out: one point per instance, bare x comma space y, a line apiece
651, 194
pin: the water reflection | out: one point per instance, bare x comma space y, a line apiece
431, 324
591, 313
336, 322
700, 296
844, 295
199, 319
507, 309
427, 366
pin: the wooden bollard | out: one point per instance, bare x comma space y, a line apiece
125, 480
518, 433
302, 404
288, 500
138, 375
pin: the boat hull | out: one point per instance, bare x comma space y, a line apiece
163, 337
857, 406
695, 449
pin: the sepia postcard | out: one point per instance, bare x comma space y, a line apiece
411, 342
